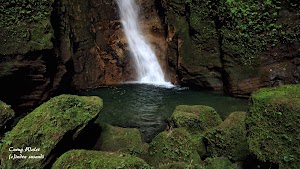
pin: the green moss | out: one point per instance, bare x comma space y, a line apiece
198, 141
182, 33
6, 68
25, 26
119, 139
274, 125
15, 11
219, 163
229, 138
125, 140
254, 26
181, 166
46, 126
6, 114
79, 159
140, 151
196, 118
172, 146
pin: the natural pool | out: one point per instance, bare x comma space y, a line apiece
147, 107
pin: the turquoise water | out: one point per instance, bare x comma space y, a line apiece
147, 107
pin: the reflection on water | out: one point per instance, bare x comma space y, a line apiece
147, 107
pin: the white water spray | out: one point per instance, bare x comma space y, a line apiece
147, 65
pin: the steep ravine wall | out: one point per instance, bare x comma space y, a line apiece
237, 46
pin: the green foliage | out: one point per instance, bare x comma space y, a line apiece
47, 125
6, 113
251, 27
247, 28
25, 26
80, 159
274, 125
16, 11
4, 141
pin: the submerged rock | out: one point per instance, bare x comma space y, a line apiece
98, 159
196, 118
172, 146
38, 133
273, 125
6, 114
229, 138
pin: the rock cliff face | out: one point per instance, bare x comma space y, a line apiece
68, 45
48, 47
28, 62
235, 45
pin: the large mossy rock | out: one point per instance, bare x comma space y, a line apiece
229, 138
196, 118
274, 125
46, 126
172, 146
126, 140
96, 159
6, 114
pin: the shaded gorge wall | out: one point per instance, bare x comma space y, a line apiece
236, 46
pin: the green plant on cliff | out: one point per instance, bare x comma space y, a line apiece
251, 27
25, 26
16, 11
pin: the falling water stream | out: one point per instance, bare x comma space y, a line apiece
147, 66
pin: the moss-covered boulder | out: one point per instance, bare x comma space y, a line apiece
6, 114
172, 146
273, 125
229, 138
219, 163
118, 139
97, 159
196, 118
42, 129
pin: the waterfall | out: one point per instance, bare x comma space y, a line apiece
147, 65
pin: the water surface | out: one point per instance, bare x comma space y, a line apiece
147, 107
